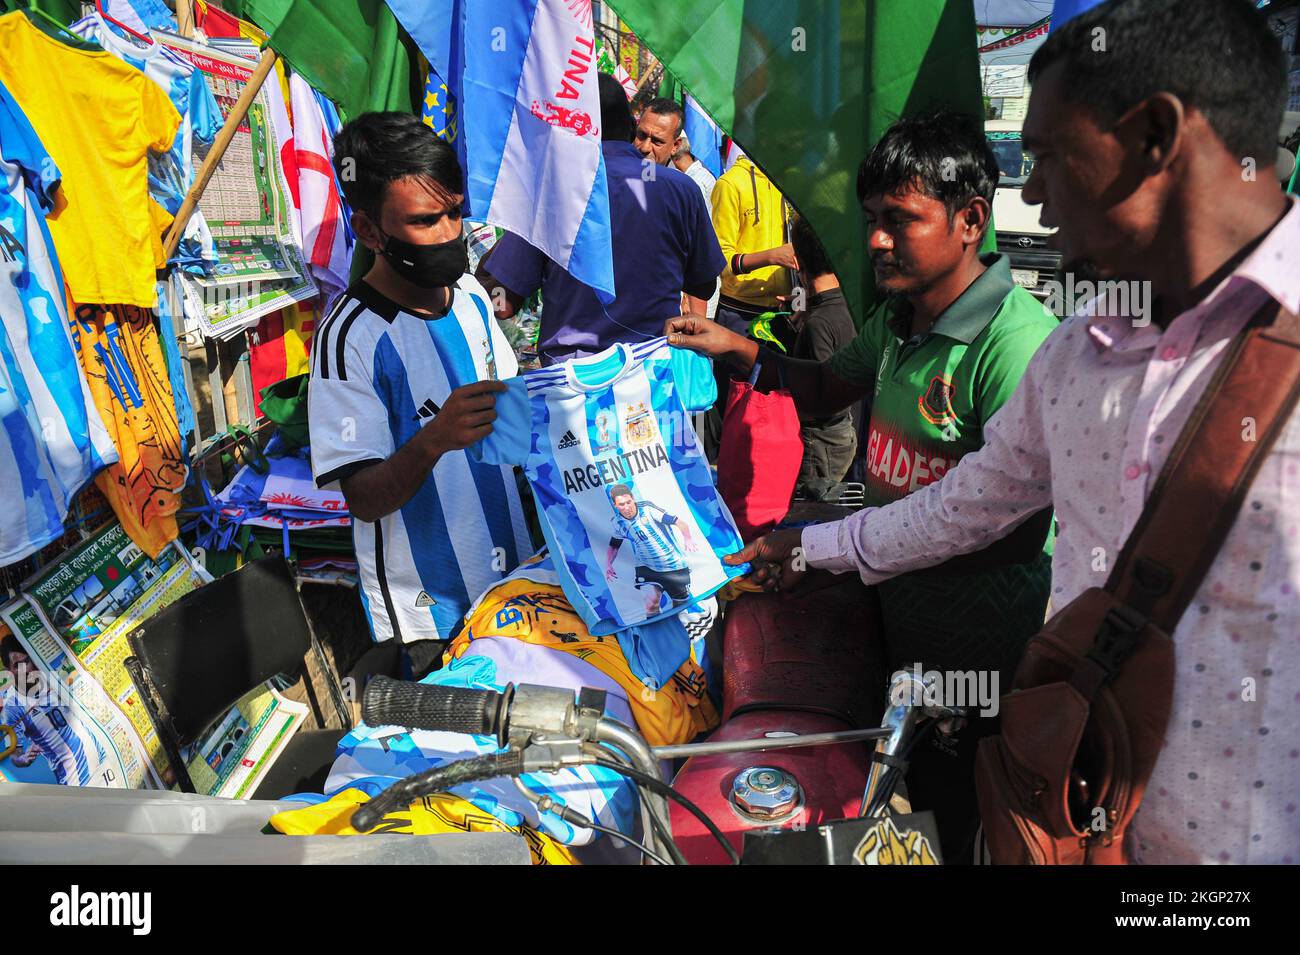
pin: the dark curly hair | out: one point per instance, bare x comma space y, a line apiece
941, 153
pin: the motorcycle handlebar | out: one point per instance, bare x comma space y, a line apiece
439, 779
452, 709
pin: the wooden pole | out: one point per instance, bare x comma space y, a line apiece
185, 17
237, 114
649, 71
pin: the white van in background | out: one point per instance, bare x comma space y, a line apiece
1019, 235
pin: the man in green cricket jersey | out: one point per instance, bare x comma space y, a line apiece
942, 350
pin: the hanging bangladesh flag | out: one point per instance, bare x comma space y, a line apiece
353, 51
805, 87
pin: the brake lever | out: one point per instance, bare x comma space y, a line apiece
949, 720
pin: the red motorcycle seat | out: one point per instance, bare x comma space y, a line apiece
816, 650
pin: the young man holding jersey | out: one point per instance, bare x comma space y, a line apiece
405, 374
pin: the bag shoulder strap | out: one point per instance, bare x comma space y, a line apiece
1210, 469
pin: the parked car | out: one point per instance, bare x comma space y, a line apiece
1019, 235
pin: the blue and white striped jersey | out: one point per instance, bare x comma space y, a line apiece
604, 433
378, 375
52, 440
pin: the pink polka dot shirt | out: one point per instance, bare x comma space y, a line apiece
1088, 430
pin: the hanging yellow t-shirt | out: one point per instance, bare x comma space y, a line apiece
98, 118
441, 812
540, 614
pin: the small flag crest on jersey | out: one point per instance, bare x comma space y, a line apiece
526, 71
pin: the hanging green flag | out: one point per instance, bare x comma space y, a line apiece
604, 59
669, 88
805, 87
353, 51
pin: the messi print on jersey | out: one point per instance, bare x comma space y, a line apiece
661, 566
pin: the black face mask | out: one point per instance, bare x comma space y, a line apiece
430, 265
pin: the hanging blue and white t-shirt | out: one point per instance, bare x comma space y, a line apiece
171, 173
378, 375
52, 440
624, 492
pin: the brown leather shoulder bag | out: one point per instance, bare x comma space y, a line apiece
1086, 716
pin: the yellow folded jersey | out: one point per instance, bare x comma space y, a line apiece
540, 614
431, 815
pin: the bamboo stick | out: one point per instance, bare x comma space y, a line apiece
204, 176
185, 18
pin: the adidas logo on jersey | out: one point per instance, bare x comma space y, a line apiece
427, 410
424, 600
568, 441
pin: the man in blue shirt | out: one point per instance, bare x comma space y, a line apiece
663, 243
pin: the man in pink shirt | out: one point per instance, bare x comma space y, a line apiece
1157, 167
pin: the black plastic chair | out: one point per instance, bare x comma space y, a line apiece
196, 658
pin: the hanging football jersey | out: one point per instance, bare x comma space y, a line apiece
170, 173
120, 352
52, 440
99, 118
625, 496
169, 326
141, 15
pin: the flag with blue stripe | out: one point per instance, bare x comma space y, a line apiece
526, 71
704, 135
1068, 9
141, 15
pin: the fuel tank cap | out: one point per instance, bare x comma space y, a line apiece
765, 793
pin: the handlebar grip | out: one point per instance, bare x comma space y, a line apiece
452, 709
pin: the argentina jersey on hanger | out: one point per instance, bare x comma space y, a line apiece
52, 439
626, 498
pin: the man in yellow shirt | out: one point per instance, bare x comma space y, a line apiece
750, 217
